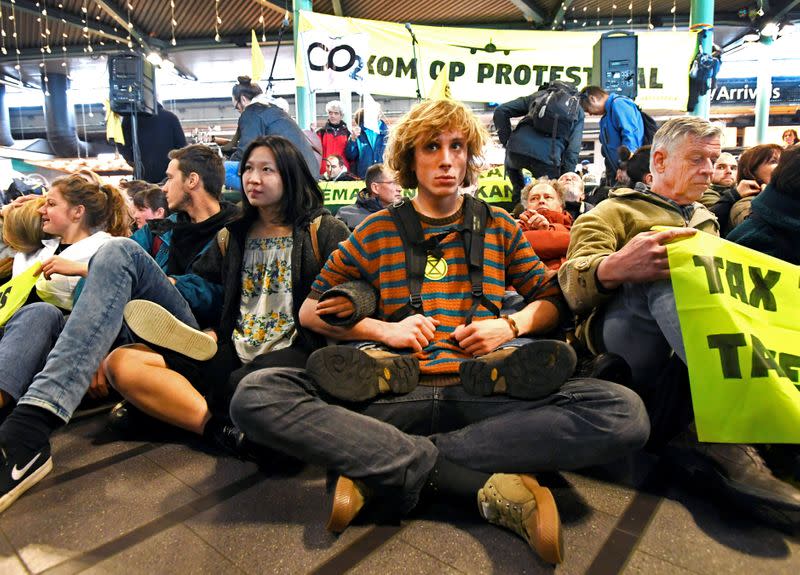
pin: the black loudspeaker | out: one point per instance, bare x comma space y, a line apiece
615, 63
132, 84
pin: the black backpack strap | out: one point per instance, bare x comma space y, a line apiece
410, 229
476, 214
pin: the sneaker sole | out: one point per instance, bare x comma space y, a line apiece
544, 526
351, 374
156, 325
533, 371
27, 483
347, 502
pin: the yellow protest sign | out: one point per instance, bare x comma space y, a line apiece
481, 65
741, 329
15, 291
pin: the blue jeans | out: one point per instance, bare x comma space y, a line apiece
29, 336
118, 272
641, 324
391, 444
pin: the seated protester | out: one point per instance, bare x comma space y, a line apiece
193, 191
723, 179
546, 225
81, 217
272, 256
517, 211
336, 170
119, 271
574, 197
616, 279
380, 191
774, 223
755, 170
149, 204
359, 411
22, 232
365, 147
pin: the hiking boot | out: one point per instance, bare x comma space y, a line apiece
358, 375
532, 371
154, 324
348, 499
21, 472
519, 503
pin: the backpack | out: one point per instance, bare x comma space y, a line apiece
417, 250
554, 109
650, 127
223, 236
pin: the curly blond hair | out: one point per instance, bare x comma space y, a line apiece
424, 122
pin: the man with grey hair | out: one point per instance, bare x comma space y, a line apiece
334, 134
616, 279
722, 180
572, 185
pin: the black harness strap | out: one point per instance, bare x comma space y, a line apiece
417, 249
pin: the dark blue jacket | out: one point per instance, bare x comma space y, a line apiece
259, 119
527, 141
621, 125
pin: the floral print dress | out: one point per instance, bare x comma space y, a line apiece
265, 321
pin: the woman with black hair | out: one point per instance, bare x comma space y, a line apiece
266, 261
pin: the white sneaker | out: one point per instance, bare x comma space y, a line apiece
154, 324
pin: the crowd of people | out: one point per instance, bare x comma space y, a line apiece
426, 348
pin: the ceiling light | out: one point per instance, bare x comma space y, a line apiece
770, 30
154, 58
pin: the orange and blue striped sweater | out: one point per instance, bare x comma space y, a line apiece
374, 253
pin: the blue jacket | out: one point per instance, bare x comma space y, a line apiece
204, 298
367, 149
527, 141
621, 125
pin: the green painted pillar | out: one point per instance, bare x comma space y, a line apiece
303, 100
764, 89
701, 17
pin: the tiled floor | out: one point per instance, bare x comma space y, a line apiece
127, 507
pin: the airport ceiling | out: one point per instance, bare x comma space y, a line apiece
76, 27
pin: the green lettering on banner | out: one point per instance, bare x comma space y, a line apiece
762, 288
764, 360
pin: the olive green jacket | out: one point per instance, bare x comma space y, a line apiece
605, 230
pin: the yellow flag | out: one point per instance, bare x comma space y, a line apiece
256, 58
14, 293
441, 87
113, 125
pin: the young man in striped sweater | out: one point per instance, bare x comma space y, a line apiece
479, 410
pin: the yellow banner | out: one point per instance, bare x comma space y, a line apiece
741, 330
493, 188
482, 65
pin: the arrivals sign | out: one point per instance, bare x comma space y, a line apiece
482, 65
739, 318
742, 91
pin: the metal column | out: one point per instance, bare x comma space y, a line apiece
701, 17
303, 101
764, 89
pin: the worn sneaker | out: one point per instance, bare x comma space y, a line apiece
358, 375
519, 503
532, 371
18, 475
348, 499
156, 325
